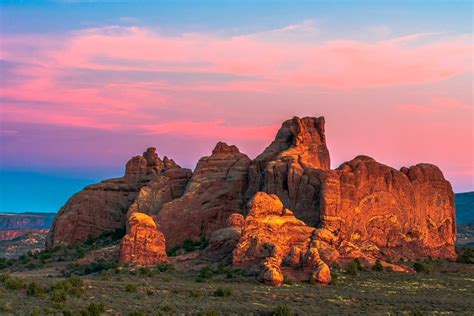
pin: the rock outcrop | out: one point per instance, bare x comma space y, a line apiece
214, 192
286, 167
363, 209
276, 244
369, 208
102, 207
144, 244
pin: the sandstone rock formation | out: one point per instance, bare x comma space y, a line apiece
363, 209
272, 239
144, 244
103, 207
286, 167
214, 192
369, 208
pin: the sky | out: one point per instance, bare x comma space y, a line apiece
85, 85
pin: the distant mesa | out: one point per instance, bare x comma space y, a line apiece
285, 214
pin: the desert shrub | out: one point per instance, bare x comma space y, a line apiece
168, 308
420, 267
36, 312
163, 267
93, 267
94, 309
194, 293
358, 264
223, 292
188, 245
12, 283
282, 310
58, 296
72, 286
6, 263
465, 255
205, 274
132, 288
210, 312
288, 281
33, 289
145, 271
352, 268
377, 266
6, 307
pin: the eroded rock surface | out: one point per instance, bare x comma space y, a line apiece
214, 192
286, 167
102, 207
370, 208
144, 244
272, 239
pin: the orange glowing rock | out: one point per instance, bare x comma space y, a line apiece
144, 244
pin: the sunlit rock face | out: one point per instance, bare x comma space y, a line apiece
143, 244
275, 244
214, 192
103, 207
369, 208
363, 209
286, 167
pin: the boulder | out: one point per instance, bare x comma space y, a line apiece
273, 238
144, 244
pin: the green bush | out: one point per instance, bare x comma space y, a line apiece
71, 286
352, 268
282, 310
194, 293
58, 296
205, 274
188, 245
132, 288
94, 309
6, 307
210, 312
12, 283
137, 313
223, 292
377, 266
420, 267
33, 289
465, 255
168, 308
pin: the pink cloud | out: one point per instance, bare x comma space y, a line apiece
437, 105
212, 129
137, 82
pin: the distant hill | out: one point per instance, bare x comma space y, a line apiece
464, 207
9, 221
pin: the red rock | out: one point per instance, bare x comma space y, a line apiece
166, 187
373, 209
272, 237
144, 244
102, 207
236, 220
214, 192
286, 167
